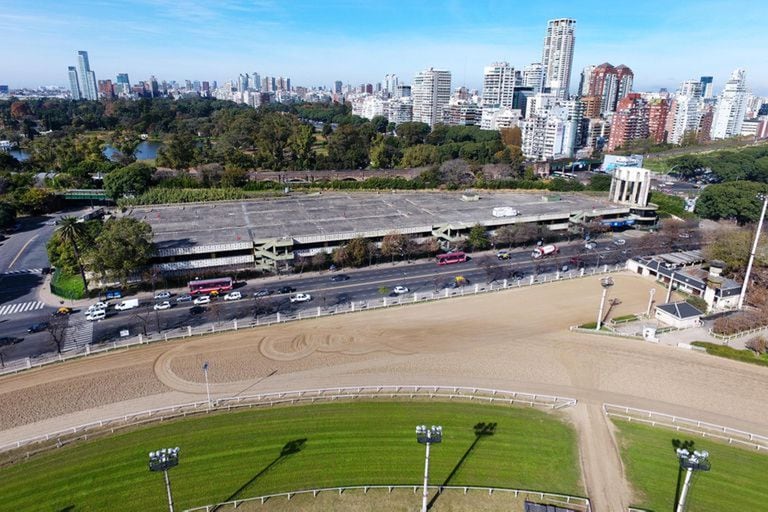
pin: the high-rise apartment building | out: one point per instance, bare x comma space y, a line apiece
658, 110
86, 77
624, 79
533, 76
731, 107
105, 89
255, 82
610, 84
706, 87
630, 122
431, 90
684, 111
337, 86
74, 84
390, 84
498, 85
586, 75
557, 57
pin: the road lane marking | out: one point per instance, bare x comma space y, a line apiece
23, 248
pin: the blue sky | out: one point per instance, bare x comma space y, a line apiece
317, 42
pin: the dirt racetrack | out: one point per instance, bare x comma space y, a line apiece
517, 340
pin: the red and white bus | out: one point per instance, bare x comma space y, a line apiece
204, 286
451, 257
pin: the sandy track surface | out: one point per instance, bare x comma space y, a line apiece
515, 340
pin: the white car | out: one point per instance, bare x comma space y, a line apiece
301, 297
160, 306
98, 314
589, 246
233, 296
99, 306
203, 299
400, 290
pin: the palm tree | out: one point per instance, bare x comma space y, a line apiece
70, 231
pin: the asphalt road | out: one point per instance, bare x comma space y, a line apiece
363, 284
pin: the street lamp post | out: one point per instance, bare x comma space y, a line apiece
207, 386
650, 302
690, 462
427, 436
743, 294
163, 460
606, 283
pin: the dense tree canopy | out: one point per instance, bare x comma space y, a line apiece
133, 179
737, 200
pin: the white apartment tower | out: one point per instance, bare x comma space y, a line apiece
586, 74
533, 76
390, 84
498, 85
684, 111
731, 107
87, 78
557, 57
431, 91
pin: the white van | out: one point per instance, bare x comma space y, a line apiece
97, 314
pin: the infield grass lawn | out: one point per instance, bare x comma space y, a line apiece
238, 454
733, 484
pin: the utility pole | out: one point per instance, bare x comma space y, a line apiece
743, 294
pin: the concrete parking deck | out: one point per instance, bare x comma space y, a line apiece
308, 217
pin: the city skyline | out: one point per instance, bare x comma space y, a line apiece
318, 44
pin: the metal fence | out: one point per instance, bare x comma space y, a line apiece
692, 426
573, 502
302, 396
351, 307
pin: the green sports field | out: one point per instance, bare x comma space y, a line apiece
733, 484
250, 453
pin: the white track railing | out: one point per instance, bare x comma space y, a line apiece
19, 365
573, 502
692, 426
303, 396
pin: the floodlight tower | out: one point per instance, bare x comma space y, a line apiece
163, 460
743, 293
690, 462
606, 283
427, 436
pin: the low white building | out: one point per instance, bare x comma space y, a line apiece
680, 315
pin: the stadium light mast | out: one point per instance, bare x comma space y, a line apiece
163, 460
743, 293
207, 386
690, 462
427, 436
606, 283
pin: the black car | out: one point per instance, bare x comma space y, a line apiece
286, 289
339, 278
196, 310
517, 275
263, 293
38, 327
9, 340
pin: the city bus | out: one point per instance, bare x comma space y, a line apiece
204, 286
451, 257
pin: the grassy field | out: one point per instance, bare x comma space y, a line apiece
733, 484
236, 455
745, 356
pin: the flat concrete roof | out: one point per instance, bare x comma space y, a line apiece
308, 217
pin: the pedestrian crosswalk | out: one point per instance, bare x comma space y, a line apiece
20, 307
79, 333
22, 271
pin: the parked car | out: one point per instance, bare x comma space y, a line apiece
99, 314
233, 296
339, 277
184, 298
619, 241
96, 307
162, 295
203, 299
262, 293
301, 297
286, 289
160, 306
400, 290
38, 327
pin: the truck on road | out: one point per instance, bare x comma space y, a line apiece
544, 250
127, 304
